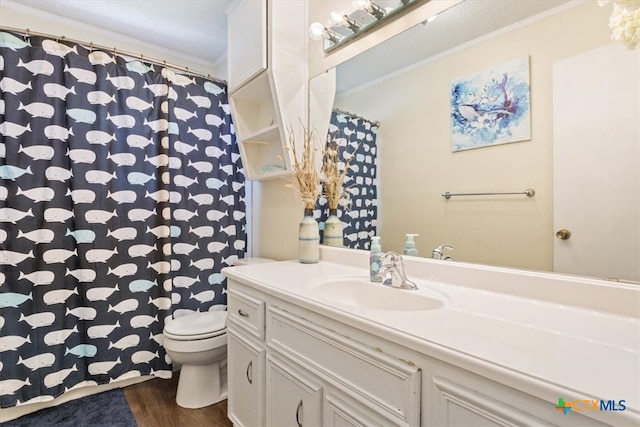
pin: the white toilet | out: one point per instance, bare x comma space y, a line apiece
198, 342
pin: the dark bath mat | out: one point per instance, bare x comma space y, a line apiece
107, 409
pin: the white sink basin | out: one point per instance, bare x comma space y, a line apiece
360, 292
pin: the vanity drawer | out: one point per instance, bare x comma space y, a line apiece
246, 312
386, 385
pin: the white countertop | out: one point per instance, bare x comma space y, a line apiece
572, 351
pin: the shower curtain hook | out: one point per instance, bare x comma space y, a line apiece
91, 47
26, 34
115, 53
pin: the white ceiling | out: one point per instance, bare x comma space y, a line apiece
197, 28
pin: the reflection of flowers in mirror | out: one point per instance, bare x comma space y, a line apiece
335, 164
624, 21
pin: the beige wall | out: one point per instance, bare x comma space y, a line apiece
417, 166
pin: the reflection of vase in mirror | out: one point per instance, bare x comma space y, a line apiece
358, 206
333, 230
413, 106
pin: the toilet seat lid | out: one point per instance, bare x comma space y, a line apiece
205, 323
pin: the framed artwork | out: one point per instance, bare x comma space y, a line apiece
491, 107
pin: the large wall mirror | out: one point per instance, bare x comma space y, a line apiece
405, 85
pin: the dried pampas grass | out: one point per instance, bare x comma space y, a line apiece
306, 178
333, 177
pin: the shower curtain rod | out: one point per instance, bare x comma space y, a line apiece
337, 110
91, 45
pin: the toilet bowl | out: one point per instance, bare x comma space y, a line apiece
198, 342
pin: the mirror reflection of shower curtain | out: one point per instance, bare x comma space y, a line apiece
121, 198
360, 217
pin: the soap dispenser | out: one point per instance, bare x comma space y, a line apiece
375, 259
410, 246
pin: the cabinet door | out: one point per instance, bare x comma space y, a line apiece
246, 41
245, 367
292, 399
342, 411
463, 399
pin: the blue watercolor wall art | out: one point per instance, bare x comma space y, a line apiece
491, 107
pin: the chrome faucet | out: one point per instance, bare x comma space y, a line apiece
438, 253
392, 272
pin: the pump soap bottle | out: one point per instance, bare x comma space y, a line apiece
375, 259
410, 246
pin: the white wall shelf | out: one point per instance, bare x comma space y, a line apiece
254, 106
267, 135
264, 156
265, 103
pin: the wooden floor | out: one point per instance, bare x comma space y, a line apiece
153, 404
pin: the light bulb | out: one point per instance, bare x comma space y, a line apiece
316, 31
336, 17
360, 4
370, 7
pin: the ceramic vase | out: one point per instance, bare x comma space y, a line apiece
333, 230
309, 239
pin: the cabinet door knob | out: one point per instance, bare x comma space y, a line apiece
242, 313
250, 372
563, 234
298, 413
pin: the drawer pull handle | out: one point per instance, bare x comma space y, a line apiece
298, 413
242, 313
250, 372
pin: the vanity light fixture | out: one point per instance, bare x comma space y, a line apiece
317, 31
370, 7
338, 17
343, 28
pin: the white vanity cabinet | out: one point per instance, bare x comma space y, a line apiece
246, 359
375, 384
332, 363
286, 369
293, 365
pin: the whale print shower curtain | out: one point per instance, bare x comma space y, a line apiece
121, 199
360, 216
